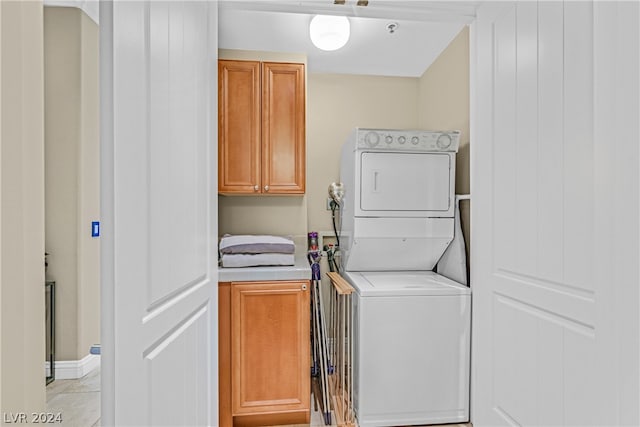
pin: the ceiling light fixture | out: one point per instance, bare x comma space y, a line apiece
329, 32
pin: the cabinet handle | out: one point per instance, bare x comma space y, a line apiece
266, 188
256, 187
304, 287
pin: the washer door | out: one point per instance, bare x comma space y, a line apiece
405, 181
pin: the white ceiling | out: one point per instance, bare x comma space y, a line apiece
425, 28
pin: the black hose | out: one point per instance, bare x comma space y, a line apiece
336, 265
335, 206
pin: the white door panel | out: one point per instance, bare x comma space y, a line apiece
555, 307
159, 216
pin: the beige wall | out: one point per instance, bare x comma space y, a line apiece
89, 188
337, 104
444, 100
72, 164
22, 337
444, 104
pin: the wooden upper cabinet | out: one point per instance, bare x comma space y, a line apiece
283, 128
239, 126
261, 121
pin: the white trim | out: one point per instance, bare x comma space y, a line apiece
107, 252
473, 137
432, 11
74, 369
90, 7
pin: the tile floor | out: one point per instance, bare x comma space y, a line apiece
77, 400
79, 403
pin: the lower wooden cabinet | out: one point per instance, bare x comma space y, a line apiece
264, 353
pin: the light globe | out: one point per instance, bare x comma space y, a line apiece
329, 32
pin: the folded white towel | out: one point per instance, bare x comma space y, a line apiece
256, 244
256, 260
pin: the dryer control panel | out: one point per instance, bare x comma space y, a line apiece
408, 140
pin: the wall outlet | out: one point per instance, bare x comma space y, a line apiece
329, 200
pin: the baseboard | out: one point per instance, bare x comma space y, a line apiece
73, 369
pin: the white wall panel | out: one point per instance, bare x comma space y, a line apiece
550, 250
616, 129
580, 386
577, 99
551, 396
543, 145
177, 169
515, 334
159, 155
540, 379
504, 148
628, 223
526, 167
604, 191
187, 380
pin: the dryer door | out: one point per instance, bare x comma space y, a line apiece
405, 182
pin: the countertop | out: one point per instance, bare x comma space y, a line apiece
300, 271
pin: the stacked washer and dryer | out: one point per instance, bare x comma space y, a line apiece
411, 326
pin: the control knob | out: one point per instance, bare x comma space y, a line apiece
402, 139
372, 139
388, 139
444, 141
415, 140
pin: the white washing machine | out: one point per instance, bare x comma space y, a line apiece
411, 348
411, 326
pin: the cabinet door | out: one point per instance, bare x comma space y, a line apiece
238, 126
270, 347
283, 128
